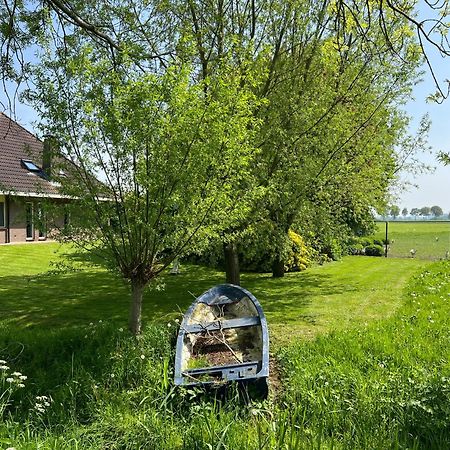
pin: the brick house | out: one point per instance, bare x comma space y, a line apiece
25, 183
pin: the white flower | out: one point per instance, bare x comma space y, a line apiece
4, 367
10, 380
100, 321
21, 385
2, 361
23, 377
112, 375
91, 324
16, 374
142, 356
11, 448
121, 330
169, 325
177, 320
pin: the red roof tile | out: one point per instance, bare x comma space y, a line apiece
16, 144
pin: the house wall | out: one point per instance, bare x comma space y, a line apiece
17, 222
3, 229
17, 225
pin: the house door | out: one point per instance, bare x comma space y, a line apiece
29, 221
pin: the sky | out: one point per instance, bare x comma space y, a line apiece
432, 188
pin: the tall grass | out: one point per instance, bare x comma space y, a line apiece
386, 385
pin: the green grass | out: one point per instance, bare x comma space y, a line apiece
382, 385
431, 240
356, 290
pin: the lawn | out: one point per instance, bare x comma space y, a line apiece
430, 239
49, 285
361, 345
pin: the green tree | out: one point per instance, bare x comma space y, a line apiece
436, 211
323, 141
394, 211
415, 212
404, 212
172, 154
425, 211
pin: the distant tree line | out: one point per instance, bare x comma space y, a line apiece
426, 211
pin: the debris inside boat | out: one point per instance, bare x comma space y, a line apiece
223, 337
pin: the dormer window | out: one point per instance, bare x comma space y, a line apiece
30, 165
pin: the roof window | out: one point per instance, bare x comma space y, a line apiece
30, 165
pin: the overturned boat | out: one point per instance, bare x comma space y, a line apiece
223, 337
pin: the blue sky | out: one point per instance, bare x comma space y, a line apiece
433, 188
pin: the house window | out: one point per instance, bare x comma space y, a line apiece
42, 222
2, 214
29, 220
30, 165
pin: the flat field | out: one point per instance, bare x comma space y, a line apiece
430, 240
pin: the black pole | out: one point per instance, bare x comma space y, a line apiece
386, 241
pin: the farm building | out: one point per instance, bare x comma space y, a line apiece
26, 182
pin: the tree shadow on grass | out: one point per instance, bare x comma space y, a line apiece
287, 299
78, 298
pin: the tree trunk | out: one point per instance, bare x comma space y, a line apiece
232, 263
135, 320
278, 267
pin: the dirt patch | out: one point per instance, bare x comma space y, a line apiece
216, 350
275, 385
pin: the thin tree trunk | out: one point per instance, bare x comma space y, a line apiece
232, 263
135, 320
278, 267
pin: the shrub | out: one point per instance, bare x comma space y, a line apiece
365, 242
299, 256
356, 249
334, 249
374, 250
378, 242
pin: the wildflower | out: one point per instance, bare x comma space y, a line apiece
91, 324
121, 330
10, 380
100, 321
169, 324
177, 320
112, 375
23, 377
142, 356
16, 374
4, 367
21, 385
11, 448
2, 361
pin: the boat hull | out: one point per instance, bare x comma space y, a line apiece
223, 337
